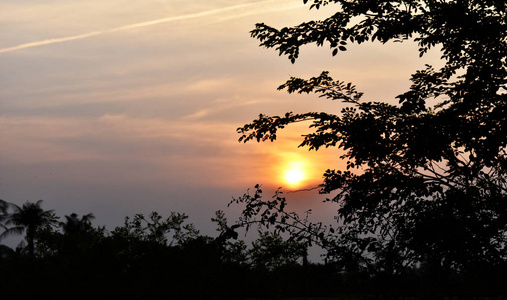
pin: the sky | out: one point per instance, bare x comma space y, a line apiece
121, 107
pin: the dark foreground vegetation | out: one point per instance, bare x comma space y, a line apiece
165, 258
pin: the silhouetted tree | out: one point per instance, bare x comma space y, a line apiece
156, 229
270, 251
73, 224
424, 183
29, 219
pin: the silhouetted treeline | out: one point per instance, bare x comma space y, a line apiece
165, 258
150, 258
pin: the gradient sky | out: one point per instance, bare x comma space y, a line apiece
121, 107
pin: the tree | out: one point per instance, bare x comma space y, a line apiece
270, 251
30, 218
78, 239
73, 224
423, 183
156, 229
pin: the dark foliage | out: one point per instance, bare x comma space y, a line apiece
425, 185
28, 218
156, 258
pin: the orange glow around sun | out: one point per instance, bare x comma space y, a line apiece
285, 165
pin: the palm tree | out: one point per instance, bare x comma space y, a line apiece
29, 219
4, 217
73, 224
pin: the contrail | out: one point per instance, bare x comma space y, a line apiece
131, 26
52, 41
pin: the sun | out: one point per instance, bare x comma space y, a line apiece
294, 174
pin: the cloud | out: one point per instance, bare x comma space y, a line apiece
111, 137
122, 147
198, 115
149, 23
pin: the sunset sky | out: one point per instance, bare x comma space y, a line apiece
122, 107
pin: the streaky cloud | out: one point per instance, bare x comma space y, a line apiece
52, 41
133, 26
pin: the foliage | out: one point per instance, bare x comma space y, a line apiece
271, 252
29, 218
140, 265
156, 229
424, 183
155, 258
73, 224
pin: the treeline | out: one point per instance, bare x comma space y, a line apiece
148, 257
152, 257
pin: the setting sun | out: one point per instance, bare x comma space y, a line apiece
295, 173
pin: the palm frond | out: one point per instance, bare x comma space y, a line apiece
11, 231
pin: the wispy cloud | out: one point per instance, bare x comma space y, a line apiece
52, 41
137, 25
